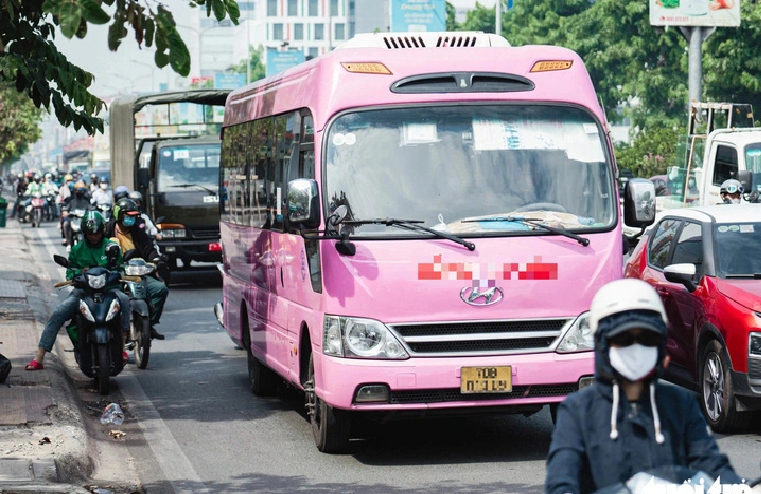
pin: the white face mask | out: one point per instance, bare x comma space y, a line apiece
634, 361
735, 201
103, 186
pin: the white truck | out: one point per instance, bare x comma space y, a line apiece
721, 144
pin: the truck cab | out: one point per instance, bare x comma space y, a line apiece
180, 187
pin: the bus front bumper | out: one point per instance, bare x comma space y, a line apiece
435, 383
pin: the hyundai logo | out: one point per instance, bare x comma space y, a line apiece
472, 295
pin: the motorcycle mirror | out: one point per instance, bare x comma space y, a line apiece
112, 255
61, 261
130, 254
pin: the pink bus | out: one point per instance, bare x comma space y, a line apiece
416, 224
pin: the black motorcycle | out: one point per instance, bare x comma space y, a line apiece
141, 310
96, 332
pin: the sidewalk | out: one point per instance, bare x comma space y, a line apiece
43, 443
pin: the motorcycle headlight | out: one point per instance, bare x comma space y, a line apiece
113, 309
578, 337
96, 282
85, 311
363, 338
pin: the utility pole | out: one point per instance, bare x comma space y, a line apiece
695, 36
498, 20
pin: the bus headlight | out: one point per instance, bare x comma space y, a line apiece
578, 337
362, 338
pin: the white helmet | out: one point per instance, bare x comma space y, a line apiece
622, 296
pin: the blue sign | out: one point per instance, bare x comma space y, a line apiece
414, 16
280, 60
229, 81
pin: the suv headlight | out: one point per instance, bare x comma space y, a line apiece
362, 338
754, 348
578, 337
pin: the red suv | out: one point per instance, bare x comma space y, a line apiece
706, 265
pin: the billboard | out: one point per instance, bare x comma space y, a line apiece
224, 80
708, 13
414, 16
280, 60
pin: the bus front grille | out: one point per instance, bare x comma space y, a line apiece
479, 337
401, 397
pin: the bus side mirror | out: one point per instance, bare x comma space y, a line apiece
303, 203
639, 202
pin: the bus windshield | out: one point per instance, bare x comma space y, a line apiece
188, 165
470, 169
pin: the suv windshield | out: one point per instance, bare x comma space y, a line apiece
738, 249
188, 164
465, 169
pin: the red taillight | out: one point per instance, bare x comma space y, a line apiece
215, 247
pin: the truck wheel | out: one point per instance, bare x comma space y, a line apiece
331, 427
717, 393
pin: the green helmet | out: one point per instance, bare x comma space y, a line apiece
93, 223
125, 206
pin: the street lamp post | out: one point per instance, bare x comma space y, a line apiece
153, 72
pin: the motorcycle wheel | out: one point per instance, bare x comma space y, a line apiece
143, 343
37, 218
104, 369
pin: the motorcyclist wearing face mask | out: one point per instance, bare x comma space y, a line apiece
128, 230
79, 199
627, 422
731, 191
90, 253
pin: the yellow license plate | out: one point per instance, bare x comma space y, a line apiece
486, 379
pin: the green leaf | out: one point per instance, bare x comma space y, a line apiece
161, 59
93, 13
150, 29
218, 6
234, 10
69, 18
179, 56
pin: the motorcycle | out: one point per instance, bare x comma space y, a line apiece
105, 210
52, 206
141, 310
670, 479
96, 332
36, 209
75, 222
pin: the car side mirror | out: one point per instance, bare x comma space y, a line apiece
746, 179
639, 202
143, 177
303, 203
683, 273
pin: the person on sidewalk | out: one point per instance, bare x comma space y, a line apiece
130, 233
627, 422
90, 253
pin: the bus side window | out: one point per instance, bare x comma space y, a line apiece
259, 142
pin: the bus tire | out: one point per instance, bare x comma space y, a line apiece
331, 427
261, 380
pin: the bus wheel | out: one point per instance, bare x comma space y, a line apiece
330, 427
261, 380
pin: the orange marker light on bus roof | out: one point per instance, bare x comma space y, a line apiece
549, 65
365, 67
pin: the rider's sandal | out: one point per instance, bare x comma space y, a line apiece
33, 365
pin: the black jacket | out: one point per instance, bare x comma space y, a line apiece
592, 448
143, 242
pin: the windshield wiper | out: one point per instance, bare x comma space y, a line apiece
755, 276
411, 225
533, 222
187, 186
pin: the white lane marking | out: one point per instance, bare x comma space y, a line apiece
174, 464
48, 243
